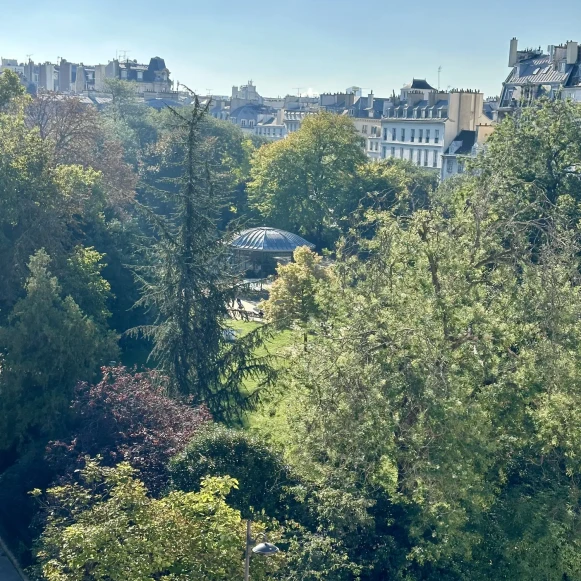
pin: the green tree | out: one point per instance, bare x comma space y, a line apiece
48, 345
110, 529
188, 283
10, 88
305, 183
292, 299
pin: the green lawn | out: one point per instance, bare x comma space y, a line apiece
269, 418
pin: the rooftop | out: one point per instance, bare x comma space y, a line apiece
265, 239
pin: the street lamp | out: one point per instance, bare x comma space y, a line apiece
264, 548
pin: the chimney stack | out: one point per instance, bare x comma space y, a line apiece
370, 103
572, 52
512, 55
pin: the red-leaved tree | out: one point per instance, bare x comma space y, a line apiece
127, 417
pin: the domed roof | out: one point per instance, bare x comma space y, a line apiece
265, 239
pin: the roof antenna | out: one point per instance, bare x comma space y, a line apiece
439, 71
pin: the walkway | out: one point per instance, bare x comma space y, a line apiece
7, 570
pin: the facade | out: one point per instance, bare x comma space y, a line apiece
272, 126
423, 122
534, 74
366, 113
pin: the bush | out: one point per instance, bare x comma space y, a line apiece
265, 481
127, 417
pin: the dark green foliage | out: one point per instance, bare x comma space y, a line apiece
264, 479
48, 345
188, 282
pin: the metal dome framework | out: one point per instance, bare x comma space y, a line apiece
260, 249
265, 239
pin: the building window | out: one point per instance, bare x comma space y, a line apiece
401, 152
449, 165
394, 134
403, 134
427, 136
251, 123
421, 135
384, 152
393, 152
374, 130
376, 146
364, 129
435, 160
437, 136
243, 123
411, 154
385, 134
413, 135
370, 145
419, 157
140, 75
460, 167
425, 158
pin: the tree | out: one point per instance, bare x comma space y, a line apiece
10, 88
292, 298
264, 478
127, 417
188, 283
305, 183
48, 345
109, 529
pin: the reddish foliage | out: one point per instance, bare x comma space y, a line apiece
127, 417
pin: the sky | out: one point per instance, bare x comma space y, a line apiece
295, 46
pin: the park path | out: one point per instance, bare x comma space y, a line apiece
7, 570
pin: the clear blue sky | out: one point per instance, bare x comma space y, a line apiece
325, 45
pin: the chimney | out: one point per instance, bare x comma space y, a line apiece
512, 55
280, 116
572, 52
370, 103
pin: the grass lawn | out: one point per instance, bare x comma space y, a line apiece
269, 418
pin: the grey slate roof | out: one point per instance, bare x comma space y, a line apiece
264, 239
419, 84
523, 72
467, 139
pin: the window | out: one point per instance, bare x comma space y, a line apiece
243, 123
419, 159
374, 130
393, 134
411, 154
403, 134
370, 145
401, 152
421, 135
139, 75
435, 160
364, 129
384, 152
437, 136
427, 136
425, 158
460, 167
251, 123
385, 134
449, 165
393, 152
413, 135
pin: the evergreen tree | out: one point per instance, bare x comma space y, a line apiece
188, 282
48, 346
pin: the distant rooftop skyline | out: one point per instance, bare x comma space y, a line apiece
306, 46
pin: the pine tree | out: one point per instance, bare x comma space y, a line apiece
188, 281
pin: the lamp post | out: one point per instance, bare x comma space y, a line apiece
265, 549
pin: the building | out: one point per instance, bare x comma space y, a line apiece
420, 125
366, 113
272, 126
534, 74
467, 144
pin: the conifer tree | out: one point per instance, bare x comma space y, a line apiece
188, 282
